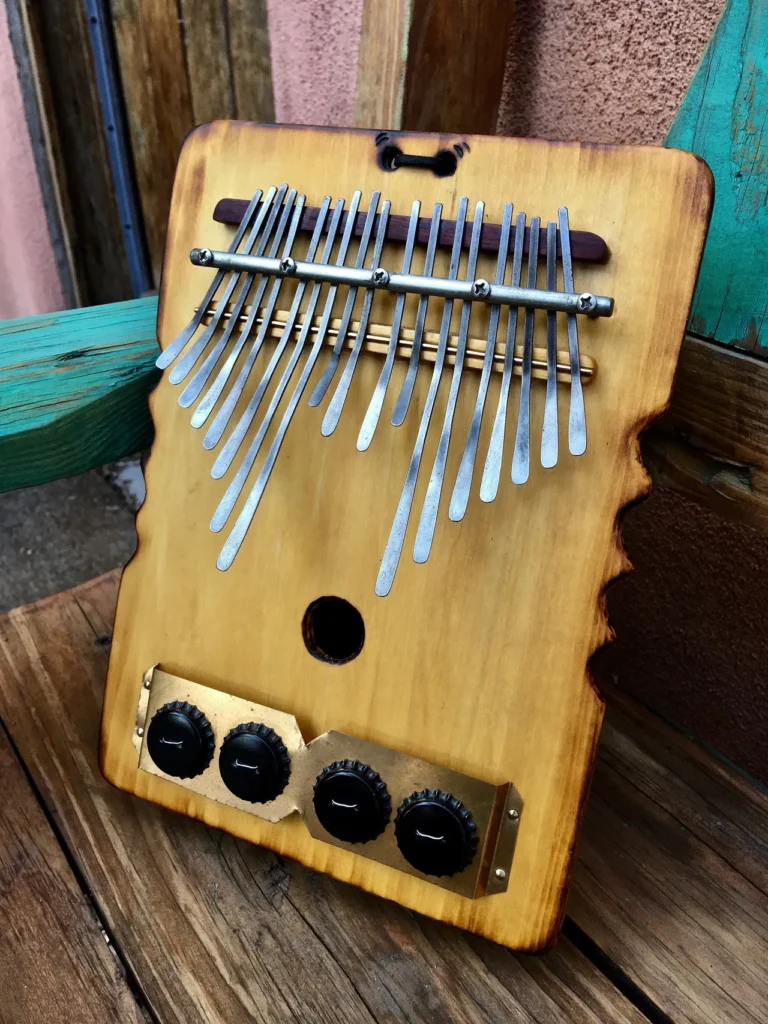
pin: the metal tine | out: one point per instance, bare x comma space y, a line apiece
489, 485
577, 421
239, 530
211, 396
219, 424
336, 404
463, 485
522, 454
404, 398
227, 454
196, 385
394, 547
322, 385
371, 417
426, 530
549, 429
167, 356
269, 211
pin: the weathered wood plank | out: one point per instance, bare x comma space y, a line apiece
251, 60
216, 930
724, 118
672, 881
209, 64
73, 390
94, 228
412, 74
54, 962
158, 105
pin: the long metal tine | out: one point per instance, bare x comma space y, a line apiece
227, 454
209, 399
243, 521
322, 385
336, 404
549, 429
196, 385
489, 484
426, 530
404, 398
463, 485
522, 455
168, 354
269, 210
394, 547
577, 421
371, 418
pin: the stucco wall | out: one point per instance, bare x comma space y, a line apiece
29, 281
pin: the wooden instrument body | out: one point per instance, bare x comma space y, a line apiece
478, 659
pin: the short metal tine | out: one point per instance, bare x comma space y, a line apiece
371, 417
426, 530
404, 398
168, 354
549, 429
322, 385
213, 393
336, 404
577, 421
394, 547
463, 485
522, 455
243, 521
270, 211
227, 454
196, 385
489, 484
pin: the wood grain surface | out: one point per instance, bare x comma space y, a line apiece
435, 656
54, 962
669, 886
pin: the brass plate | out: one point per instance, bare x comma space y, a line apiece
496, 809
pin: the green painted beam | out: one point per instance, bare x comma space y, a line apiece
724, 118
73, 390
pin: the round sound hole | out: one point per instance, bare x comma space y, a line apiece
333, 630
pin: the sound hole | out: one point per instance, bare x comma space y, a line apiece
333, 630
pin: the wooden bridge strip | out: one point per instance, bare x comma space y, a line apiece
216, 930
54, 962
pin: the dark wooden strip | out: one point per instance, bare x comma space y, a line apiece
251, 60
54, 963
585, 245
220, 931
206, 41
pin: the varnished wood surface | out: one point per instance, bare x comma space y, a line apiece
54, 963
433, 672
670, 882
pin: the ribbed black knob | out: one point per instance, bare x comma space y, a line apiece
180, 740
254, 763
352, 801
435, 832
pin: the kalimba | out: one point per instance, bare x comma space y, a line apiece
398, 422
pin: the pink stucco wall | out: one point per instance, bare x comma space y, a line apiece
29, 281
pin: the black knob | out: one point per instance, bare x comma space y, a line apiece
435, 832
254, 763
180, 740
352, 802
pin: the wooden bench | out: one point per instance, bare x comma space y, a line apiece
114, 909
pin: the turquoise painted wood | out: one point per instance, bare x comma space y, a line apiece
724, 118
73, 390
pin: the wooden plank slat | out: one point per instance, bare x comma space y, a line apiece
423, 67
94, 228
216, 930
724, 118
73, 390
209, 67
672, 880
157, 102
54, 962
251, 60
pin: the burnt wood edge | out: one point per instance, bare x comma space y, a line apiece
585, 246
